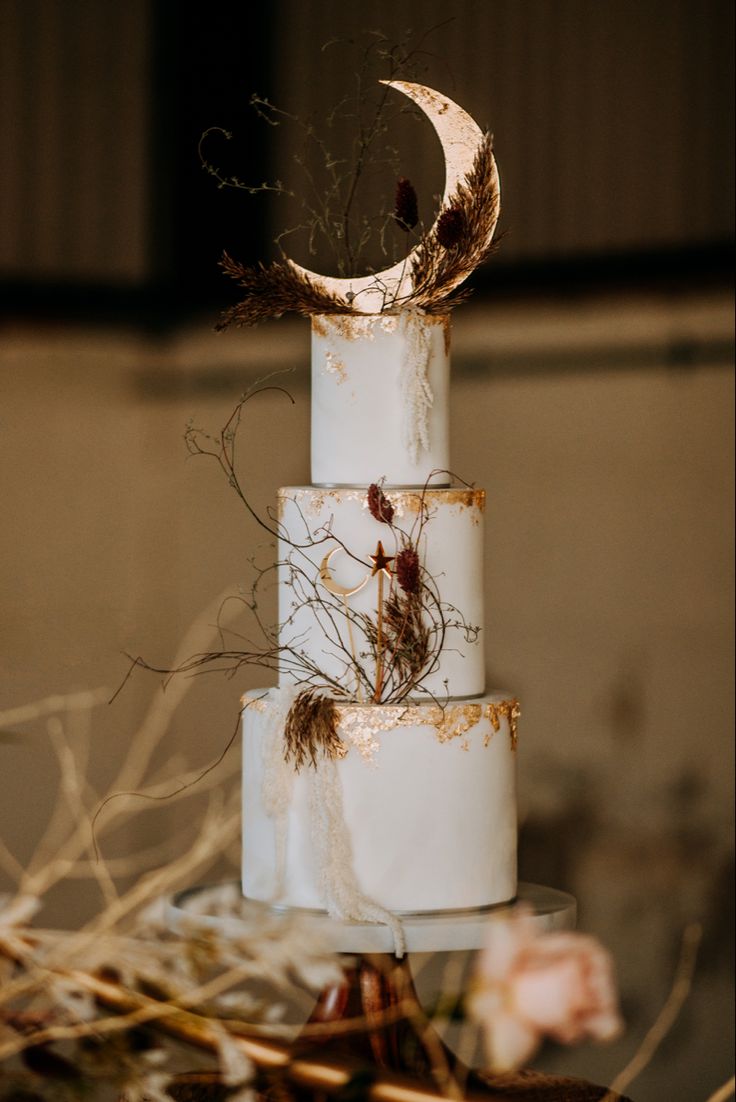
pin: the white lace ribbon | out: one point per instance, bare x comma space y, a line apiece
327, 826
278, 779
335, 857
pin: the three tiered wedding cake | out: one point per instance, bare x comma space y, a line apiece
379, 776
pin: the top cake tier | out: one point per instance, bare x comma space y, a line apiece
380, 389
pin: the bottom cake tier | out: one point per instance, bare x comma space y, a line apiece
414, 809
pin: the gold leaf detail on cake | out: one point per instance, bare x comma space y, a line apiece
255, 703
514, 712
335, 366
406, 503
360, 725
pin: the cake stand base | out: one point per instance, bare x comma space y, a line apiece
398, 1038
374, 1021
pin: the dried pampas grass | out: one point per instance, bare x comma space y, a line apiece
311, 730
461, 239
273, 290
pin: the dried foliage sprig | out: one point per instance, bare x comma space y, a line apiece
386, 668
233, 181
281, 648
379, 505
406, 205
407, 635
450, 228
274, 290
330, 200
311, 730
333, 212
461, 238
408, 570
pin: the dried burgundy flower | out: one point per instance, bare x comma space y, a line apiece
379, 505
406, 212
450, 228
407, 570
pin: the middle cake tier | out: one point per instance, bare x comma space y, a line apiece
381, 593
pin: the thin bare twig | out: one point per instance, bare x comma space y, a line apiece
727, 1090
667, 1016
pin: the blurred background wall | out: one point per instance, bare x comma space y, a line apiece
592, 396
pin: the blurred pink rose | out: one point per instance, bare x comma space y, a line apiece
530, 985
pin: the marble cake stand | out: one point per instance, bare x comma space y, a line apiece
221, 907
377, 989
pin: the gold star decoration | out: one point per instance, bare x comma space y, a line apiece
381, 561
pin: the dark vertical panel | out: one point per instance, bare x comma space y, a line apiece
26, 149
11, 130
613, 122
207, 60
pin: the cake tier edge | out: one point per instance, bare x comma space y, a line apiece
383, 376
420, 806
328, 592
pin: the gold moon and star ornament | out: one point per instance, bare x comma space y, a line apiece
381, 562
461, 139
343, 592
331, 585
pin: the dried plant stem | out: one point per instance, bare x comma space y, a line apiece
726, 1091
353, 652
44, 871
218, 829
666, 1018
135, 1008
131, 1009
73, 770
50, 705
9, 863
442, 1073
208, 627
379, 641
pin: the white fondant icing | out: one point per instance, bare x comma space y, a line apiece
380, 388
431, 824
451, 547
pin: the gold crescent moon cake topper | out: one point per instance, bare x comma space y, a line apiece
331, 585
461, 139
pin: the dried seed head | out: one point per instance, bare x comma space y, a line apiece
407, 570
406, 212
450, 228
311, 729
380, 507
